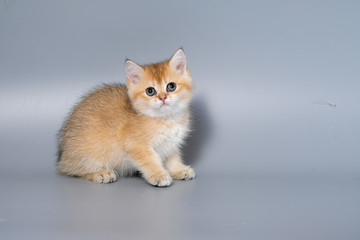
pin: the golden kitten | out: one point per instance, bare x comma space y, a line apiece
119, 130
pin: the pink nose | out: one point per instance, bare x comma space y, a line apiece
163, 99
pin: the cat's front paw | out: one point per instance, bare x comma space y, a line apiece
184, 173
159, 180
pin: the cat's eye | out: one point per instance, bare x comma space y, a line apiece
171, 87
150, 91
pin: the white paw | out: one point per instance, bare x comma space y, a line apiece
161, 180
164, 182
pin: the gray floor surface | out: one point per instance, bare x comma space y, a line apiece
276, 118
220, 206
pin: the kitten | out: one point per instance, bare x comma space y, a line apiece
119, 130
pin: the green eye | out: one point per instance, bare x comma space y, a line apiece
171, 87
150, 91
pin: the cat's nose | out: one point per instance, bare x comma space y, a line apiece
163, 98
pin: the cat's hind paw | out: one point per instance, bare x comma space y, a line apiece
103, 176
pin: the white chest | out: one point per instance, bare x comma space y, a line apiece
169, 139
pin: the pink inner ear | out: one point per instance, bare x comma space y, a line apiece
134, 76
180, 66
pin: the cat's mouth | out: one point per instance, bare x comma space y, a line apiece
164, 105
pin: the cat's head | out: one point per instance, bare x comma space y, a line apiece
162, 89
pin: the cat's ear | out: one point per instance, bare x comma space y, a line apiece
178, 62
133, 71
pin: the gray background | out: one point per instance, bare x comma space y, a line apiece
276, 139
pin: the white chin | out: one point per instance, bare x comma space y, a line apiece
163, 111
164, 108
166, 111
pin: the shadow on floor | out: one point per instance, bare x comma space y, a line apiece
201, 132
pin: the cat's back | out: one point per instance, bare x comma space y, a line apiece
105, 95
107, 105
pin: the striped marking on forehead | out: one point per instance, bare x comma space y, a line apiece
159, 72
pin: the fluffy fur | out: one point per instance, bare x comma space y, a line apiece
118, 130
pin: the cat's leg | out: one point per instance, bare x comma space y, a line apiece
71, 164
177, 169
102, 176
149, 164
